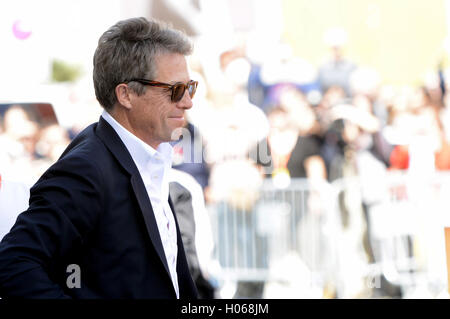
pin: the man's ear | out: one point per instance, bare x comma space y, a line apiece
123, 95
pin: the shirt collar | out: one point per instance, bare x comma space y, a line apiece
140, 151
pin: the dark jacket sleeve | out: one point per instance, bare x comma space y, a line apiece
64, 206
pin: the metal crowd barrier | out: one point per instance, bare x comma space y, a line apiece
332, 236
293, 227
407, 232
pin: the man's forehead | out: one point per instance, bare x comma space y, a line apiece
172, 64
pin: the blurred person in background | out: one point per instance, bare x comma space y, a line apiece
421, 150
196, 233
354, 125
51, 143
272, 153
231, 126
338, 69
188, 154
257, 89
21, 162
292, 150
331, 129
379, 147
17, 142
305, 160
444, 116
190, 148
331, 97
104, 207
425, 148
279, 69
14, 193
398, 128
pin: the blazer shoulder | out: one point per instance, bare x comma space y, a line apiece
100, 144
88, 146
86, 141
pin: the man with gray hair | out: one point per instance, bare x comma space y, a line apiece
100, 222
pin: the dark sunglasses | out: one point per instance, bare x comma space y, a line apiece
177, 89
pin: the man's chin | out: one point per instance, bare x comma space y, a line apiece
177, 121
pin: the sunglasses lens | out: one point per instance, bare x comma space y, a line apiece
178, 92
192, 87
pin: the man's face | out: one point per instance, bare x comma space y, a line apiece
154, 117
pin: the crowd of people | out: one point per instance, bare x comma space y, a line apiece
29, 143
261, 120
267, 120
312, 129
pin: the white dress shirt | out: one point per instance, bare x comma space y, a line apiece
154, 166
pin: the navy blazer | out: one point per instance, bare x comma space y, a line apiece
90, 209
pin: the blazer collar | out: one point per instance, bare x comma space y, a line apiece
113, 142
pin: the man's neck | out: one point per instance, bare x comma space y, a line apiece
122, 118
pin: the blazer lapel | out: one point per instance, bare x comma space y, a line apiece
110, 138
149, 217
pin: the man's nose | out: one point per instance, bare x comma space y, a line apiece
186, 101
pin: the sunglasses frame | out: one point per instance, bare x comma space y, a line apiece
171, 87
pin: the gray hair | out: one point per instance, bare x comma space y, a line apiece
128, 50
